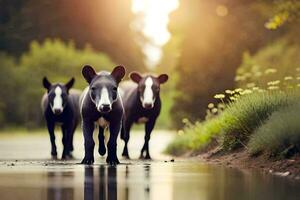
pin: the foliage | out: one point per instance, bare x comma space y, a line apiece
269, 64
196, 136
280, 134
211, 49
60, 61
103, 24
8, 89
248, 113
235, 124
21, 83
285, 11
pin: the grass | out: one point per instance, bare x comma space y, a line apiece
234, 126
279, 135
195, 136
249, 112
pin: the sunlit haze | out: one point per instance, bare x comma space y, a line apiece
152, 18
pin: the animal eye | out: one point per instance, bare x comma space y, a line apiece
115, 89
93, 88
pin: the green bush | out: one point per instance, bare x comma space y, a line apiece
250, 111
233, 127
9, 91
60, 61
269, 64
195, 137
21, 82
280, 134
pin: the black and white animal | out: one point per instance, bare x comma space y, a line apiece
142, 104
60, 106
101, 105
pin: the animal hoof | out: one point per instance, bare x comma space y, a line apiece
54, 157
147, 157
70, 156
102, 151
112, 161
125, 155
67, 157
87, 161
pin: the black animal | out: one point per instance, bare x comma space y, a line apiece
60, 106
101, 104
142, 104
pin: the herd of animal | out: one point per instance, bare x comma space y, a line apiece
107, 103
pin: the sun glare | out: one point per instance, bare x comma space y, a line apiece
152, 18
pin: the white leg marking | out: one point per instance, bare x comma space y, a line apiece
148, 93
57, 102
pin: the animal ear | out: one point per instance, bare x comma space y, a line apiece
118, 73
88, 73
70, 83
163, 78
135, 77
46, 83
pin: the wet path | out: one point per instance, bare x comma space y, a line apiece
36, 178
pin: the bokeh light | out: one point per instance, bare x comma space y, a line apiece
152, 18
222, 10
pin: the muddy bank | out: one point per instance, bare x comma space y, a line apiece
240, 159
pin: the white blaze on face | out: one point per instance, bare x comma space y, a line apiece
148, 93
57, 101
104, 99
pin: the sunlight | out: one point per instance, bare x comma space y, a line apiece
152, 18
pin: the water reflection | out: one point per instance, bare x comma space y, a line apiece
101, 185
144, 181
55, 191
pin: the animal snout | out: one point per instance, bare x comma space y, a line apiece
148, 105
105, 108
57, 111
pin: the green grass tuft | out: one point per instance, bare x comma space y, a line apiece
249, 112
234, 126
195, 136
280, 134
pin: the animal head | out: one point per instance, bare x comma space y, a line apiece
57, 94
103, 86
148, 87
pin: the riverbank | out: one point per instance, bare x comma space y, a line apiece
240, 159
257, 130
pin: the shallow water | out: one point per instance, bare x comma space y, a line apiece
136, 180
25, 173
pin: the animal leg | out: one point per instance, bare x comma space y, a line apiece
50, 127
66, 140
148, 129
101, 148
114, 129
126, 136
72, 136
89, 144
